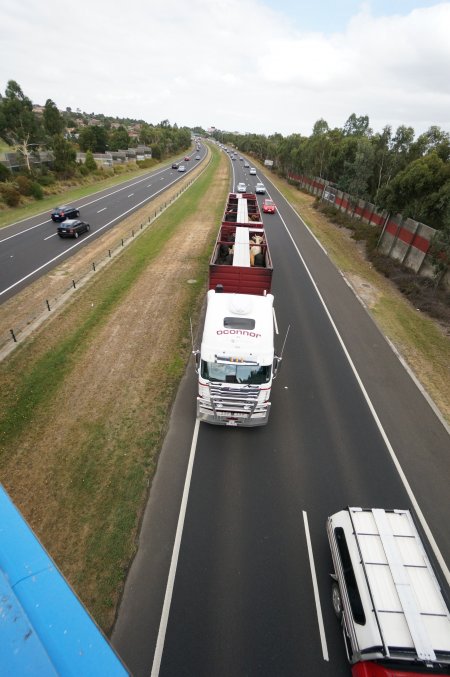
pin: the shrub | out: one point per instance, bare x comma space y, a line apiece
90, 163
36, 190
10, 194
83, 170
46, 179
23, 184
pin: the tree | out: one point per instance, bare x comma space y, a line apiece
90, 163
93, 138
119, 139
357, 126
421, 190
53, 120
358, 172
65, 155
18, 124
439, 252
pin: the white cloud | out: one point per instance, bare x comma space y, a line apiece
235, 64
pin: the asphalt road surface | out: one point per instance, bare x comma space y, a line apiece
232, 572
32, 247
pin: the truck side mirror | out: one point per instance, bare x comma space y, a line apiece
196, 354
276, 366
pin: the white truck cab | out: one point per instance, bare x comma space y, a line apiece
394, 617
236, 362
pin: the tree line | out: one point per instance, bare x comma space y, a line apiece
392, 169
61, 133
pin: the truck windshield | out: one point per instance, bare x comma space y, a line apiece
236, 373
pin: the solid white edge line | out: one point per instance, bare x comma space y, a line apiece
174, 561
323, 639
389, 447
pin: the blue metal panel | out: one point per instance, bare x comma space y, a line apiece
45, 628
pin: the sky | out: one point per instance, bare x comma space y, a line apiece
258, 66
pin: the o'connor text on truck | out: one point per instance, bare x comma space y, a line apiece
236, 363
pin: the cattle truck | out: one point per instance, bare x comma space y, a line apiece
236, 363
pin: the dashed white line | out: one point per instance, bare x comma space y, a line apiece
101, 210
131, 195
49, 236
323, 639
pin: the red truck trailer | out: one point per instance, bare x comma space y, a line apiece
243, 210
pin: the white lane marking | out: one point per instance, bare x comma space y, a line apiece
162, 178
151, 184
101, 210
323, 638
80, 242
130, 195
174, 561
24, 231
389, 446
81, 206
49, 236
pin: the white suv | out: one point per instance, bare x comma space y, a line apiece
386, 595
241, 188
252, 170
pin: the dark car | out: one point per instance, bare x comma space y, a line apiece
175, 165
65, 212
72, 228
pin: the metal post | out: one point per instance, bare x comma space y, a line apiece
74, 285
13, 335
48, 304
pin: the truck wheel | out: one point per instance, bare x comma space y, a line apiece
337, 600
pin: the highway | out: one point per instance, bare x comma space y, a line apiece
32, 247
232, 572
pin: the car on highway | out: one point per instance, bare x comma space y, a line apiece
175, 165
181, 168
241, 187
65, 212
187, 158
197, 157
246, 164
385, 593
241, 158
252, 170
260, 188
268, 206
72, 228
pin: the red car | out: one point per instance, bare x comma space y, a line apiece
187, 158
268, 206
